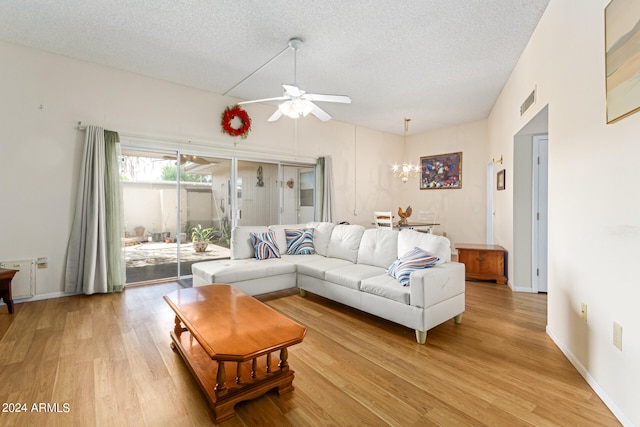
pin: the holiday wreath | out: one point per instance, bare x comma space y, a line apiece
231, 113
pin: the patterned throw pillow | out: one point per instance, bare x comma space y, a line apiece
265, 245
415, 259
300, 242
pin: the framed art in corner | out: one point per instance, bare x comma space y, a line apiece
622, 36
442, 171
500, 180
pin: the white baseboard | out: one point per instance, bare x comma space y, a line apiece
617, 412
42, 297
520, 289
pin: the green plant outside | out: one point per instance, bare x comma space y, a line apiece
199, 234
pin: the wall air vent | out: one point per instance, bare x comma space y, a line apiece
531, 99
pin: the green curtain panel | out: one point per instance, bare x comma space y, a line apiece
95, 261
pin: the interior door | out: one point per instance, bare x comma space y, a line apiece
540, 241
490, 208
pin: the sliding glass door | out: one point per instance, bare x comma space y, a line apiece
205, 220
149, 187
180, 207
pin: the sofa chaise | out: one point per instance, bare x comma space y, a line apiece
348, 264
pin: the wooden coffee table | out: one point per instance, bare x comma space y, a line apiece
226, 339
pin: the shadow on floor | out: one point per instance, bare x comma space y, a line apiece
158, 271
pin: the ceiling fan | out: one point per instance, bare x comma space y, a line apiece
297, 102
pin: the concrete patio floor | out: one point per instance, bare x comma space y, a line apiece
154, 260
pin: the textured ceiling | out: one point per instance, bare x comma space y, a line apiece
439, 63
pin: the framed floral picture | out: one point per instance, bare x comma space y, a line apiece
443, 171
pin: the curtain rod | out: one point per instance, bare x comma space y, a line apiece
80, 127
195, 144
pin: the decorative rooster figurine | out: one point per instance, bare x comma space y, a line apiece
404, 215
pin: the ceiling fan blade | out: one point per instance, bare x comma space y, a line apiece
290, 90
275, 116
319, 112
343, 99
278, 98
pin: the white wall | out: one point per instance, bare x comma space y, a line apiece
460, 212
594, 221
45, 95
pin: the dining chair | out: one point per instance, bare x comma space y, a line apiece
426, 217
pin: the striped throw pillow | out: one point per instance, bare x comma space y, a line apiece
300, 242
415, 259
265, 245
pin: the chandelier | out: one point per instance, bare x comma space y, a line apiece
406, 170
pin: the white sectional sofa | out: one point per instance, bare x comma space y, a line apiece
349, 266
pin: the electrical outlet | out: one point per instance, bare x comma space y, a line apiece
583, 312
617, 336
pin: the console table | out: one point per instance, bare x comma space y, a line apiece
6, 276
483, 262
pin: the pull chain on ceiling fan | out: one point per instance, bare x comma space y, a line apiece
297, 102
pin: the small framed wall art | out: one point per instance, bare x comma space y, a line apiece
500, 180
442, 171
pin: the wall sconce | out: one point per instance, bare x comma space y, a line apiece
497, 161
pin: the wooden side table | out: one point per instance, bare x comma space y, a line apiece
6, 276
483, 262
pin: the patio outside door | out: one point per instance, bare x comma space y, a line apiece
171, 198
257, 193
163, 202
204, 210
298, 194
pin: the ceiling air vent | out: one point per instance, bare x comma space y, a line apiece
531, 99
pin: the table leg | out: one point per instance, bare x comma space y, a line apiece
9, 302
177, 328
221, 378
5, 286
284, 365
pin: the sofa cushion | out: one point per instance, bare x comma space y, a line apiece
241, 243
302, 259
300, 241
415, 259
351, 275
265, 245
345, 241
387, 287
236, 270
318, 267
378, 247
321, 235
280, 232
438, 246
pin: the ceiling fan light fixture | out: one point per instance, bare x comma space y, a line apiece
298, 102
296, 108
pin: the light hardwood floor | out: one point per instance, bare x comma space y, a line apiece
107, 357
